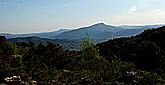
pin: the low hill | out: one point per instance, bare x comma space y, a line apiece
67, 44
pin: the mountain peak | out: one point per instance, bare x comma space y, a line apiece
99, 24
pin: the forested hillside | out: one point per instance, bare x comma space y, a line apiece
145, 50
137, 60
66, 44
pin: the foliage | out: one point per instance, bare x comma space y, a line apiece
137, 60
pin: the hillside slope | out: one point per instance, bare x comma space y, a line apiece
67, 44
146, 50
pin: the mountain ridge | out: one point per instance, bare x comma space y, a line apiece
40, 34
98, 32
106, 31
67, 44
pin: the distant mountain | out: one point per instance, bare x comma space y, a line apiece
134, 30
50, 35
101, 31
98, 31
71, 39
101, 27
67, 44
141, 27
128, 32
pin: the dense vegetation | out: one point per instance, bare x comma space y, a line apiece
135, 60
67, 44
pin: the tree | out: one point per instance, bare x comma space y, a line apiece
2, 39
89, 49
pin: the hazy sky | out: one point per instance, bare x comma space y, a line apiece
24, 16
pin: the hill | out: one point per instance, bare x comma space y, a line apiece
67, 44
136, 60
146, 50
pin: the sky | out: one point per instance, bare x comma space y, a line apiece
26, 16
